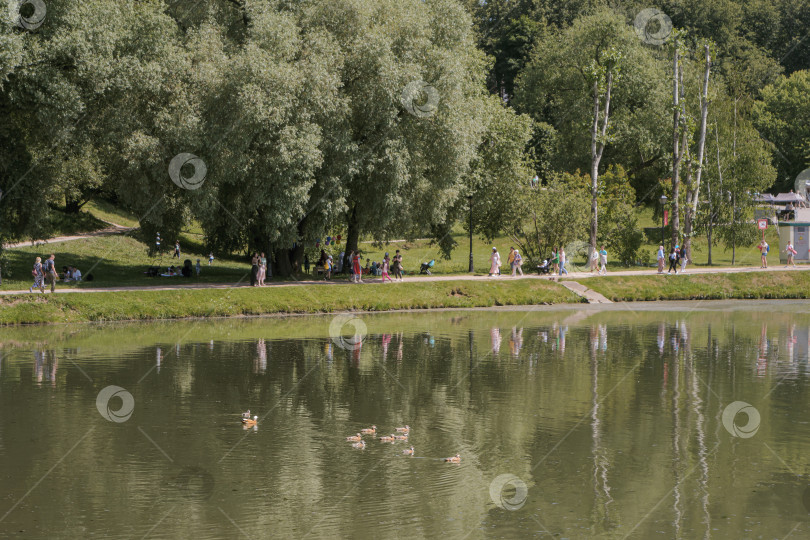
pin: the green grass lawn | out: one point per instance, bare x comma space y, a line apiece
140, 305
702, 286
118, 260
107, 211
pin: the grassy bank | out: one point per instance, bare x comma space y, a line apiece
145, 305
702, 286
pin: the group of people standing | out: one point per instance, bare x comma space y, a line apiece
387, 267
258, 270
514, 260
44, 274
676, 257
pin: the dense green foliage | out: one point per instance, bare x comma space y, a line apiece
377, 120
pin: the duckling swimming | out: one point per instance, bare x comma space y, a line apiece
387, 439
408, 451
357, 437
454, 459
369, 431
250, 421
361, 445
401, 437
405, 429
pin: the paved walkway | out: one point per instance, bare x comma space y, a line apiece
168, 284
592, 297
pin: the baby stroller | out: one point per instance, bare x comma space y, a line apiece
544, 268
425, 269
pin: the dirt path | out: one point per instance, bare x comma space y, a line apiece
175, 284
114, 228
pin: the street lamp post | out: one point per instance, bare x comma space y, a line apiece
663, 200
470, 199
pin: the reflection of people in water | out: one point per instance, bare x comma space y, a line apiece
762, 359
399, 349
386, 339
45, 366
791, 341
662, 337
495, 336
603, 337
327, 351
260, 362
516, 341
356, 352
159, 357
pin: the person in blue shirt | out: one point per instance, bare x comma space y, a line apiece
661, 259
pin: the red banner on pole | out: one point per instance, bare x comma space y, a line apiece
666, 218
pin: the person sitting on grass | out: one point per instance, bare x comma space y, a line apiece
76, 275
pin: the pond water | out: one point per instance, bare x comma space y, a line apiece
571, 423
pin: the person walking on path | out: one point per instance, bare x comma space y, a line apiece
494, 262
39, 276
306, 264
356, 270
510, 260
684, 260
602, 261
262, 269
594, 260
254, 270
673, 260
790, 253
50, 271
764, 248
555, 261
177, 248
562, 262
517, 263
661, 259
398, 265
386, 266
210, 258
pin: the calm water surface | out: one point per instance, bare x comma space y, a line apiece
573, 423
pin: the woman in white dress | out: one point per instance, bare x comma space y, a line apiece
494, 263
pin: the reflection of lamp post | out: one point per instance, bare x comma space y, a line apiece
663, 200
470, 199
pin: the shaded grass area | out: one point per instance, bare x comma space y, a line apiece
118, 260
744, 285
107, 211
144, 305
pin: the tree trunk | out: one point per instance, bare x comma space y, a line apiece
733, 224
693, 193
72, 206
712, 213
676, 151
352, 236
282, 266
597, 149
